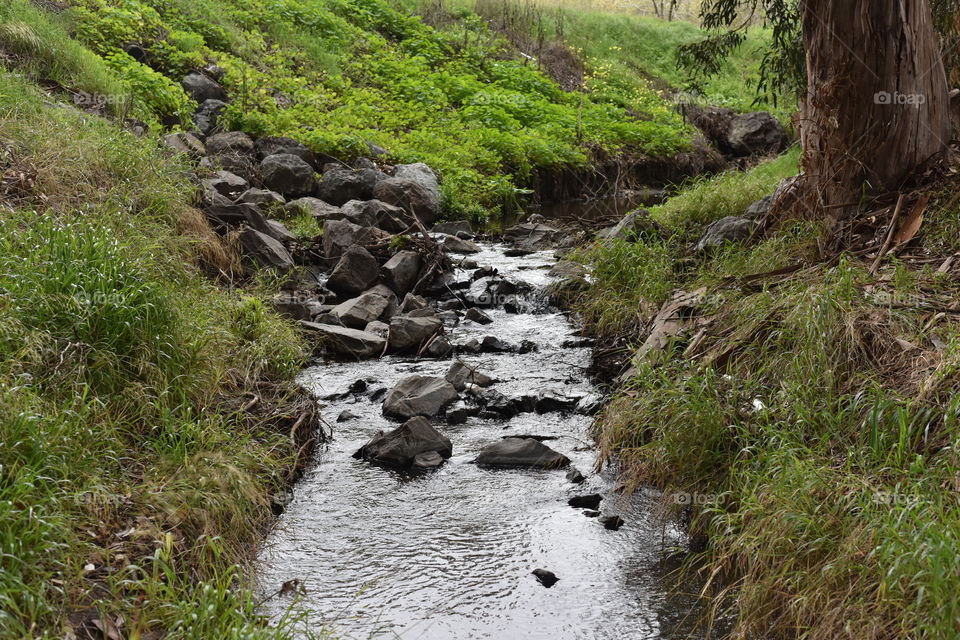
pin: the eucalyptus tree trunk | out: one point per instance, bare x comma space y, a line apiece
876, 106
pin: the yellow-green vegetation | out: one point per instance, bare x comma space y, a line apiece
338, 74
814, 424
131, 484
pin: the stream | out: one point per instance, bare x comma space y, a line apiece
449, 554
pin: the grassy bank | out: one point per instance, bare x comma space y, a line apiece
135, 474
338, 74
813, 427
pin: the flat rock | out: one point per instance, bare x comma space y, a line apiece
521, 452
343, 341
418, 396
358, 312
407, 445
460, 374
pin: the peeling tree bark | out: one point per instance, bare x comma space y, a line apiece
876, 106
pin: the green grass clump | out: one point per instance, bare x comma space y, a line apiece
127, 488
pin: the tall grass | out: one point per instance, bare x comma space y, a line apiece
813, 428
127, 489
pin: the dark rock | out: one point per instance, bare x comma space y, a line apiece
612, 522
550, 401
418, 396
575, 476
264, 251
226, 184
591, 514
373, 213
272, 145
287, 174
546, 578
346, 416
402, 446
590, 501
338, 235
458, 412
439, 347
355, 272
729, 229
475, 315
340, 184
409, 196
493, 344
517, 252
521, 452
296, 306
185, 143
201, 88
756, 133
347, 342
461, 374
207, 117
411, 333
400, 272
358, 312
230, 142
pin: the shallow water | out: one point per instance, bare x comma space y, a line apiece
449, 554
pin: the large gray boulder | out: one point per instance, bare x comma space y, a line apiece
358, 312
343, 341
287, 174
759, 208
201, 88
724, 230
409, 196
421, 174
400, 272
339, 184
521, 452
410, 443
411, 333
355, 272
264, 251
418, 396
756, 133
